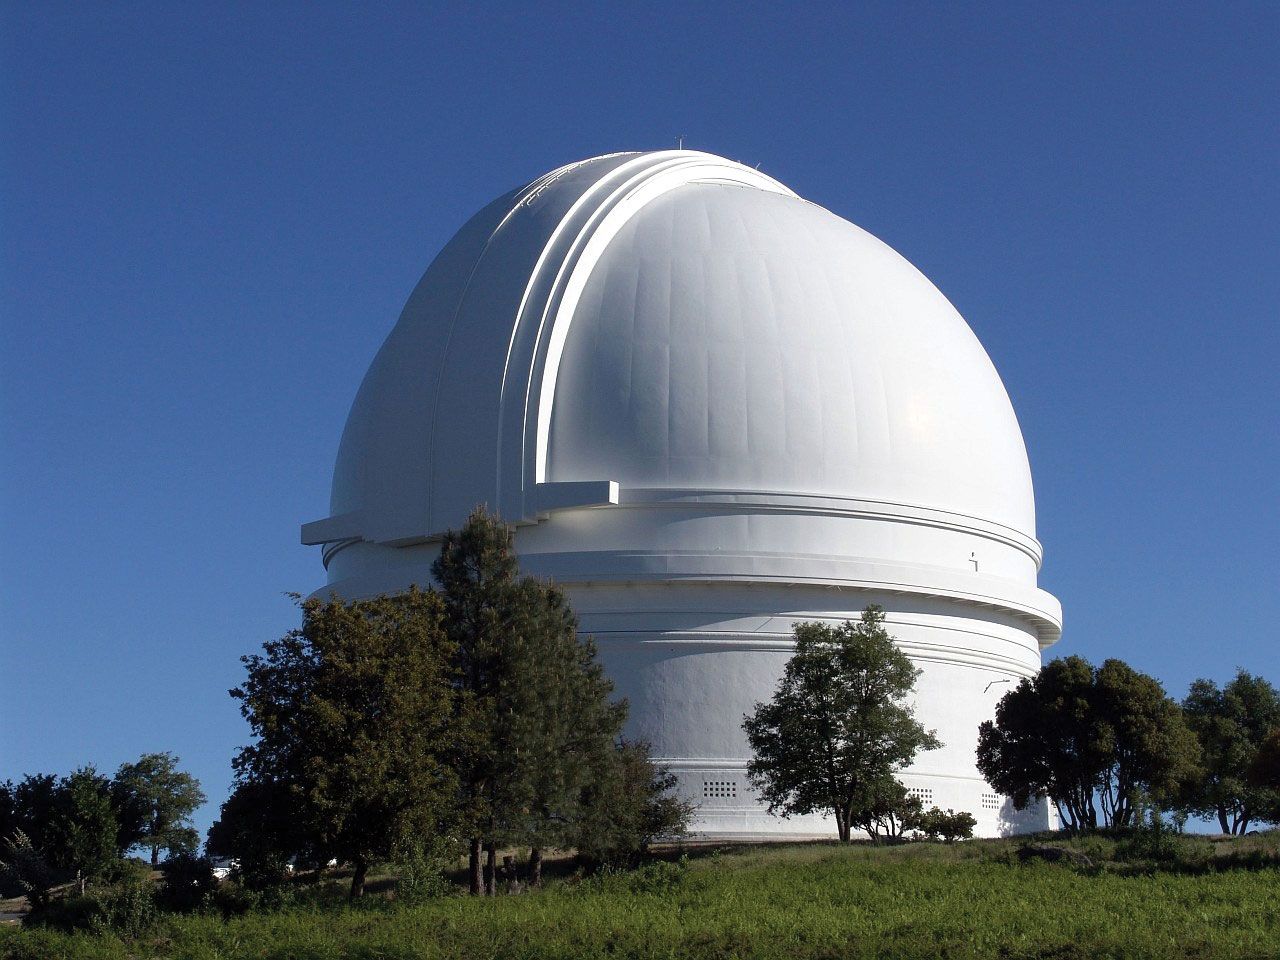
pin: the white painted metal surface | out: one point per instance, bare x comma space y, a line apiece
713, 409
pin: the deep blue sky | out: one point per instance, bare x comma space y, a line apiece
211, 216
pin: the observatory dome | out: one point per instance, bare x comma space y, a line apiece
712, 408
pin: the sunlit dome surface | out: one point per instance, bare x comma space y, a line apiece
738, 339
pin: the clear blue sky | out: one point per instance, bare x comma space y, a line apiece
211, 215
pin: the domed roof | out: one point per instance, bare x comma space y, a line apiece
676, 321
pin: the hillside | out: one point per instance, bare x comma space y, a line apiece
915, 901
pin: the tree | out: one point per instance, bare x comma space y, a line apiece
352, 716
83, 834
945, 825
892, 811
533, 709
257, 828
1095, 741
836, 728
8, 810
34, 804
1044, 741
24, 871
1151, 754
476, 572
1231, 725
163, 798
627, 803
1264, 775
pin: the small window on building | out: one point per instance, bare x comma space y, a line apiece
924, 793
992, 801
720, 789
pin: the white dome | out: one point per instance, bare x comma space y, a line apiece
738, 339
702, 329
711, 409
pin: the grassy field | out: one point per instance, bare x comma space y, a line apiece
914, 901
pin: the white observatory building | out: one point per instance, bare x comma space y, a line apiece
712, 409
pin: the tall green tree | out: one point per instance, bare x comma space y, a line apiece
353, 719
567, 726
476, 571
162, 799
1044, 742
34, 802
258, 828
1152, 756
534, 712
83, 833
837, 728
1231, 725
1097, 741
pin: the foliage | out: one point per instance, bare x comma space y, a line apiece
156, 801
1264, 774
836, 730
30, 806
1231, 724
83, 824
127, 909
1094, 740
189, 883
798, 902
945, 825
83, 833
625, 808
537, 729
24, 870
257, 830
476, 571
421, 867
352, 718
891, 812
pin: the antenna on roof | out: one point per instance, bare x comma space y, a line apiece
680, 142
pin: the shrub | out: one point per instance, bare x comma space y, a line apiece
946, 825
422, 867
656, 876
189, 883
659, 877
128, 910
24, 871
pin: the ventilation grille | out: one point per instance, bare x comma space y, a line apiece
992, 801
924, 793
720, 789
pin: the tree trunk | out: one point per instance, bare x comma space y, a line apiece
1222, 820
491, 869
357, 878
80, 880
842, 826
474, 870
535, 867
155, 856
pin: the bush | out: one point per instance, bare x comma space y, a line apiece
946, 825
24, 870
189, 883
422, 868
660, 877
128, 910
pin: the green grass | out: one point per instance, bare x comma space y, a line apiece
915, 901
